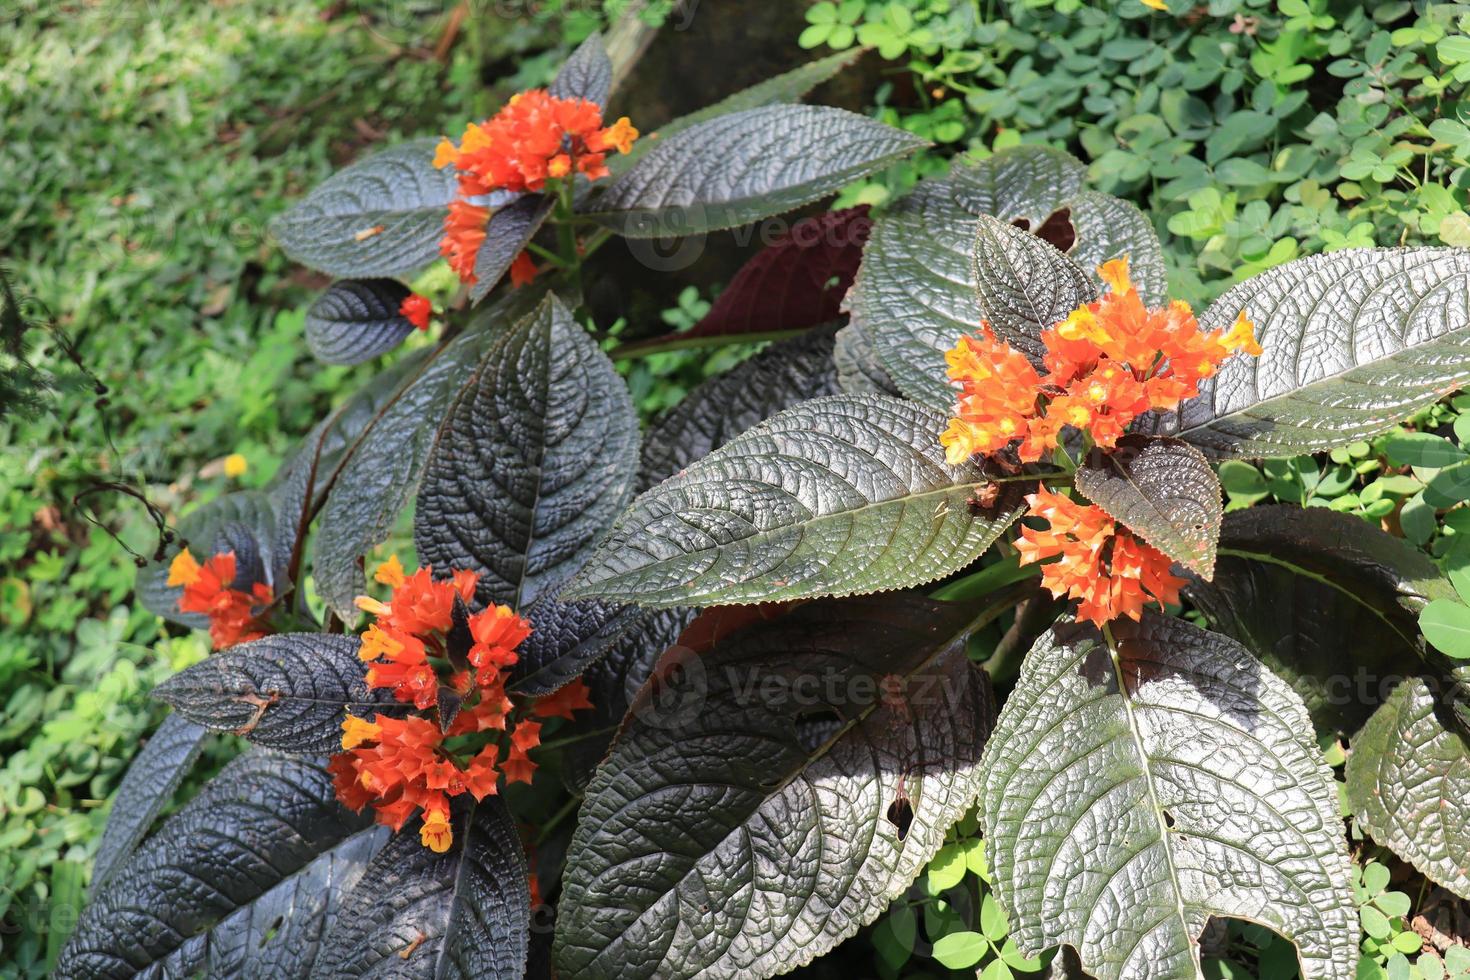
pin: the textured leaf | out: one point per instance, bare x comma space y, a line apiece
796, 283
789, 86
356, 320
859, 372
288, 692
566, 637
1120, 820
415, 913
205, 530
148, 786
1408, 782
384, 469
836, 496
383, 216
737, 168
915, 292
1164, 490
587, 74
1352, 341
537, 455
262, 819
1300, 586
741, 825
778, 377
1024, 284
510, 229
279, 934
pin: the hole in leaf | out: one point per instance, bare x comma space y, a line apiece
816, 726
1058, 230
1168, 819
901, 815
1022, 223
271, 930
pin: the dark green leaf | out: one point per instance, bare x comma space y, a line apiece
1165, 491
748, 817
1354, 341
538, 453
287, 692
835, 496
464, 913
356, 320
566, 638
383, 216
1120, 819
859, 371
737, 168
262, 819
1300, 586
587, 74
148, 787
782, 375
511, 228
1024, 284
1408, 782
216, 526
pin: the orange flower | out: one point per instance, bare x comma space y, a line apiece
998, 391
523, 270
417, 309
562, 703
207, 591
464, 233
1105, 567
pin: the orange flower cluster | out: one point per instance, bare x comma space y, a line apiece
417, 309
1109, 571
434, 654
207, 591
534, 138
1107, 363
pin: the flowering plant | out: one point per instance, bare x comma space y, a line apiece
712, 695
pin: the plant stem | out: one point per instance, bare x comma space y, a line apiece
569, 807
658, 345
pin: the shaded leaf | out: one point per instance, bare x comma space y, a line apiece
587, 74
721, 408
382, 216
566, 638
148, 786
1299, 586
536, 456
915, 291
738, 827
1162, 489
356, 320
206, 530
1408, 783
288, 692
261, 820
510, 230
1353, 342
835, 496
415, 913
859, 371
1119, 820
737, 168
1024, 285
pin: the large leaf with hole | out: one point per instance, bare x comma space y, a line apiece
767, 801
383, 216
1408, 783
356, 320
288, 692
738, 168
1352, 342
537, 455
915, 292
148, 786
263, 819
712, 414
1130, 799
1162, 489
836, 496
1299, 587
417, 913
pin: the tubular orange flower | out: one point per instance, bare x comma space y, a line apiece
207, 591
523, 270
1109, 571
417, 309
535, 137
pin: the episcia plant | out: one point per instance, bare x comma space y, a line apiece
704, 702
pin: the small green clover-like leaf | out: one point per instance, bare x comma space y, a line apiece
1422, 449
959, 950
1408, 782
1165, 491
1132, 795
1446, 624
